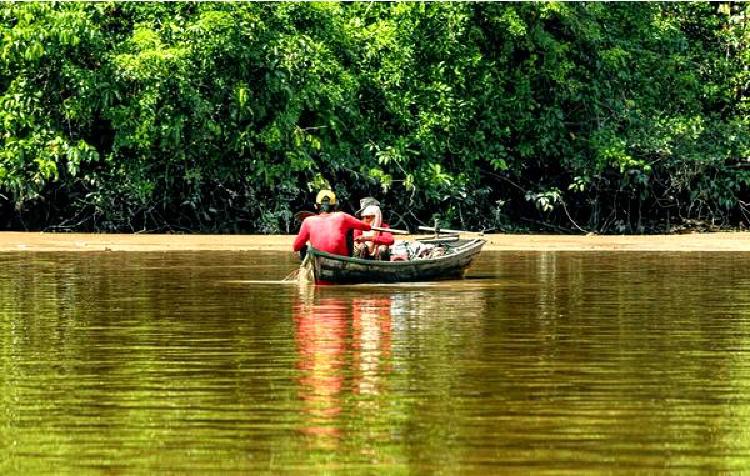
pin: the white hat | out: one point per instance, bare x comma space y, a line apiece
371, 211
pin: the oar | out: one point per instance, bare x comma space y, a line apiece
446, 230
390, 230
440, 240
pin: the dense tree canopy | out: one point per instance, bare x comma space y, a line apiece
228, 117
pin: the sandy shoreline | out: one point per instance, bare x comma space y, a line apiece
36, 241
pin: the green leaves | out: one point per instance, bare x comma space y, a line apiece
226, 116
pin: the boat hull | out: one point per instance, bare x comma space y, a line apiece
346, 270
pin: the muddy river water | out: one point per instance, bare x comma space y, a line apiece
539, 361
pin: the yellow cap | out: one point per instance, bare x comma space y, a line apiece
325, 194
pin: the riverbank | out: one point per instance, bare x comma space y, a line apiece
35, 241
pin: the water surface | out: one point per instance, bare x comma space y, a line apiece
545, 362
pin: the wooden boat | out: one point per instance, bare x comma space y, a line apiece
347, 270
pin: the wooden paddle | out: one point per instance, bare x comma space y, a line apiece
439, 240
390, 230
446, 230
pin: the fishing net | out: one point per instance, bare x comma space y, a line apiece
305, 274
293, 276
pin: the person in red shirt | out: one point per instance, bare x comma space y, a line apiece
373, 244
327, 230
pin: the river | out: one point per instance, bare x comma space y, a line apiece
537, 362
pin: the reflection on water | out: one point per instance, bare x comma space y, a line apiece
321, 334
206, 362
338, 337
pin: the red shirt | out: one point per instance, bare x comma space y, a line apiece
327, 232
381, 237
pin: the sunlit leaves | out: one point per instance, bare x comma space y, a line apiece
189, 112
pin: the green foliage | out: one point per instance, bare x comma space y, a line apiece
230, 116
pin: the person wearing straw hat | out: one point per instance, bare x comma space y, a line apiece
327, 231
372, 244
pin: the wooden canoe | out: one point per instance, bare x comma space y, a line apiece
346, 270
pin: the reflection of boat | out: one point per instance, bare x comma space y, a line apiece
346, 270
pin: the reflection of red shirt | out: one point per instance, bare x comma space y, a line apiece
380, 238
321, 329
327, 232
